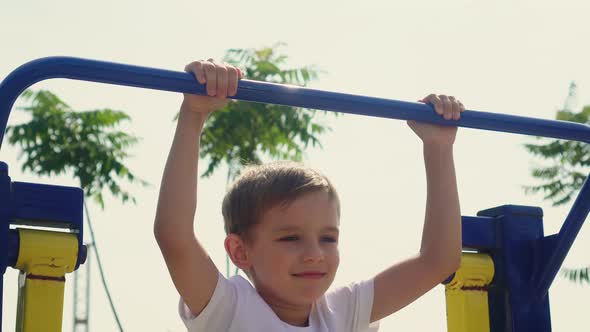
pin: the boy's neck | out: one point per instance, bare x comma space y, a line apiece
296, 315
293, 316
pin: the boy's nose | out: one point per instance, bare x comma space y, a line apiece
313, 253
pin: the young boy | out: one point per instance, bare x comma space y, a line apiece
282, 222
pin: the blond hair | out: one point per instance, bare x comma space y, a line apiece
262, 187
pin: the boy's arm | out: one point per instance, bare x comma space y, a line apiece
440, 251
193, 272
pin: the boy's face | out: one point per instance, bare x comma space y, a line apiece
294, 252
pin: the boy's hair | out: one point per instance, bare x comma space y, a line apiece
262, 187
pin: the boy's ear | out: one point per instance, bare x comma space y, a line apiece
237, 251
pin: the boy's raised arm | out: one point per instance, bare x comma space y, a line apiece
440, 252
193, 272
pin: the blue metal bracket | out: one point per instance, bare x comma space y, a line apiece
516, 257
39, 205
120, 74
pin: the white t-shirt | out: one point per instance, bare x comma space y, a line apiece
236, 306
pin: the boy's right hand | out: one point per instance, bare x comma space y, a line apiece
193, 272
221, 80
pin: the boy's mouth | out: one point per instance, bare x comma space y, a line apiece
310, 275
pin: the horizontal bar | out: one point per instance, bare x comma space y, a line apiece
160, 79
144, 77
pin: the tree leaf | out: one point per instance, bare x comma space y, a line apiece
246, 132
58, 140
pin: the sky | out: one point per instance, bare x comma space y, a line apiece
513, 57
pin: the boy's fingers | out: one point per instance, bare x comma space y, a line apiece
232, 81
211, 77
198, 70
221, 81
447, 107
436, 102
456, 108
430, 97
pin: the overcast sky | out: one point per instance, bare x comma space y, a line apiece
514, 57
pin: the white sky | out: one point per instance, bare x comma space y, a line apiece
513, 57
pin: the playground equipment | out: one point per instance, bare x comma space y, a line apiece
501, 288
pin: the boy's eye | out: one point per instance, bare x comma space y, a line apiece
289, 238
329, 239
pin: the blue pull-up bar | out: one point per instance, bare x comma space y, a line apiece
120, 74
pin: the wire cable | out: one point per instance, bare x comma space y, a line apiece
104, 283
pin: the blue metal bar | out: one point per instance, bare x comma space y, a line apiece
479, 233
5, 248
567, 234
159, 79
120, 74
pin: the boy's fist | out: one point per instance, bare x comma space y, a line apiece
221, 81
449, 108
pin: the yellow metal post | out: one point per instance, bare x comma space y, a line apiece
44, 259
467, 294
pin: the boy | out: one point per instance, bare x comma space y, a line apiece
281, 221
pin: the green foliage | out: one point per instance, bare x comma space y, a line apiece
57, 140
567, 172
569, 161
244, 132
577, 275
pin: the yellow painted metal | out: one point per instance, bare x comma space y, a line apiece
47, 253
467, 296
44, 259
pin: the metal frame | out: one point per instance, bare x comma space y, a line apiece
43, 257
555, 247
467, 294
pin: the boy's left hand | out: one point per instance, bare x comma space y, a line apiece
449, 108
